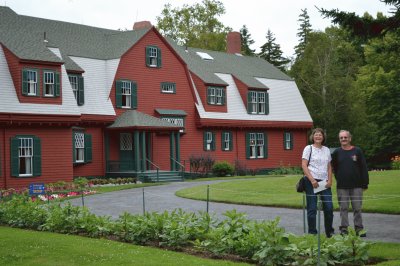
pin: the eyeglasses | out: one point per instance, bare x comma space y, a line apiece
343, 138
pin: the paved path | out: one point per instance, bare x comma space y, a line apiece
380, 227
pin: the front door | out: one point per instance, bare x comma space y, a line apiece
126, 152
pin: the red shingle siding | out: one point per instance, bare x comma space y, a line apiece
56, 155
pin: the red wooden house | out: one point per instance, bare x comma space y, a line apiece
84, 101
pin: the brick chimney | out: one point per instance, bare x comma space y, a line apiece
233, 43
142, 25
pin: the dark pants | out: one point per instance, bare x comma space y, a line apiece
327, 205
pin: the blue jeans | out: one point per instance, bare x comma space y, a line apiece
327, 205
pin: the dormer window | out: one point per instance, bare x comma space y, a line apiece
48, 84
30, 82
153, 56
258, 102
205, 56
77, 85
216, 95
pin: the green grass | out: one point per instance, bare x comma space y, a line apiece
381, 197
23, 247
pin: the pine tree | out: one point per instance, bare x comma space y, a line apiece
303, 32
246, 41
271, 51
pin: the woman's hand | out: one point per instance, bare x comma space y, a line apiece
328, 184
314, 183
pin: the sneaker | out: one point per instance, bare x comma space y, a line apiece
344, 232
360, 233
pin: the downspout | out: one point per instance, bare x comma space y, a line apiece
4, 158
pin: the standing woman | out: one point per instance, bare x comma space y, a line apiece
316, 168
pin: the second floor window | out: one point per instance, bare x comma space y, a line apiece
126, 95
258, 102
168, 87
30, 82
77, 85
49, 83
153, 56
216, 95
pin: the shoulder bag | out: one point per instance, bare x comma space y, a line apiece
301, 184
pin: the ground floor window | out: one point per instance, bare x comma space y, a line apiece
255, 145
82, 147
287, 141
25, 156
209, 141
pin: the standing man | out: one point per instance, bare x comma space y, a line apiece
352, 178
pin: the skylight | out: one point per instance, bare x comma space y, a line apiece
204, 56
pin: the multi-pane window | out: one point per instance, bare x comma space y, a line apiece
25, 156
126, 94
31, 82
48, 78
226, 140
179, 121
255, 145
257, 102
153, 56
79, 147
209, 141
125, 142
216, 95
168, 87
77, 88
288, 141
73, 80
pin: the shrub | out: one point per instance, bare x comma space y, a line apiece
240, 168
396, 162
201, 164
223, 168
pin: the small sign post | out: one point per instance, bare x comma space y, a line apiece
36, 189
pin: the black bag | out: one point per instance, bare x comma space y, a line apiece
301, 184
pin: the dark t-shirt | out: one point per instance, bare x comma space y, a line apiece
350, 168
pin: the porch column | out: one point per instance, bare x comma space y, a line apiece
177, 148
143, 139
136, 150
171, 150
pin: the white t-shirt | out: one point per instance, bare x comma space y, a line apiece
320, 157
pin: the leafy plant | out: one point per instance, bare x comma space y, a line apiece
395, 162
223, 168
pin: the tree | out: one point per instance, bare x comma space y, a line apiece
196, 25
246, 41
303, 32
271, 51
325, 75
366, 27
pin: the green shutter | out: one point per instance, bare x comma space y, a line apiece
291, 140
208, 95
37, 157
56, 84
284, 140
265, 145
81, 91
213, 142
248, 145
25, 82
14, 157
266, 103
73, 147
134, 95
88, 148
230, 141
158, 57
147, 56
205, 140
38, 83
223, 96
118, 93
222, 140
249, 106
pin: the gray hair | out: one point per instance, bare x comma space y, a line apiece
346, 131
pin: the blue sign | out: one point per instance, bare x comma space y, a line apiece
36, 189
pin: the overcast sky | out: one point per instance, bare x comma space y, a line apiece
258, 15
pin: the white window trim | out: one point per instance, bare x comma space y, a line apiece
209, 140
288, 140
25, 149
168, 87
49, 76
126, 90
73, 80
227, 141
79, 139
32, 82
253, 145
153, 56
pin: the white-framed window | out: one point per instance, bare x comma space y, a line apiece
49, 82
253, 145
125, 142
168, 87
215, 95
258, 102
260, 145
179, 121
126, 92
32, 80
153, 55
25, 156
288, 141
79, 139
226, 138
73, 80
209, 141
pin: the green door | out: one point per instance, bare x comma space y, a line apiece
126, 155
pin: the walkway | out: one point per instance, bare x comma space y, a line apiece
380, 227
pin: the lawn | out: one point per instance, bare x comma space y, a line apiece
24, 247
381, 197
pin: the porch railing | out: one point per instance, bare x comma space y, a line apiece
181, 166
156, 166
119, 166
